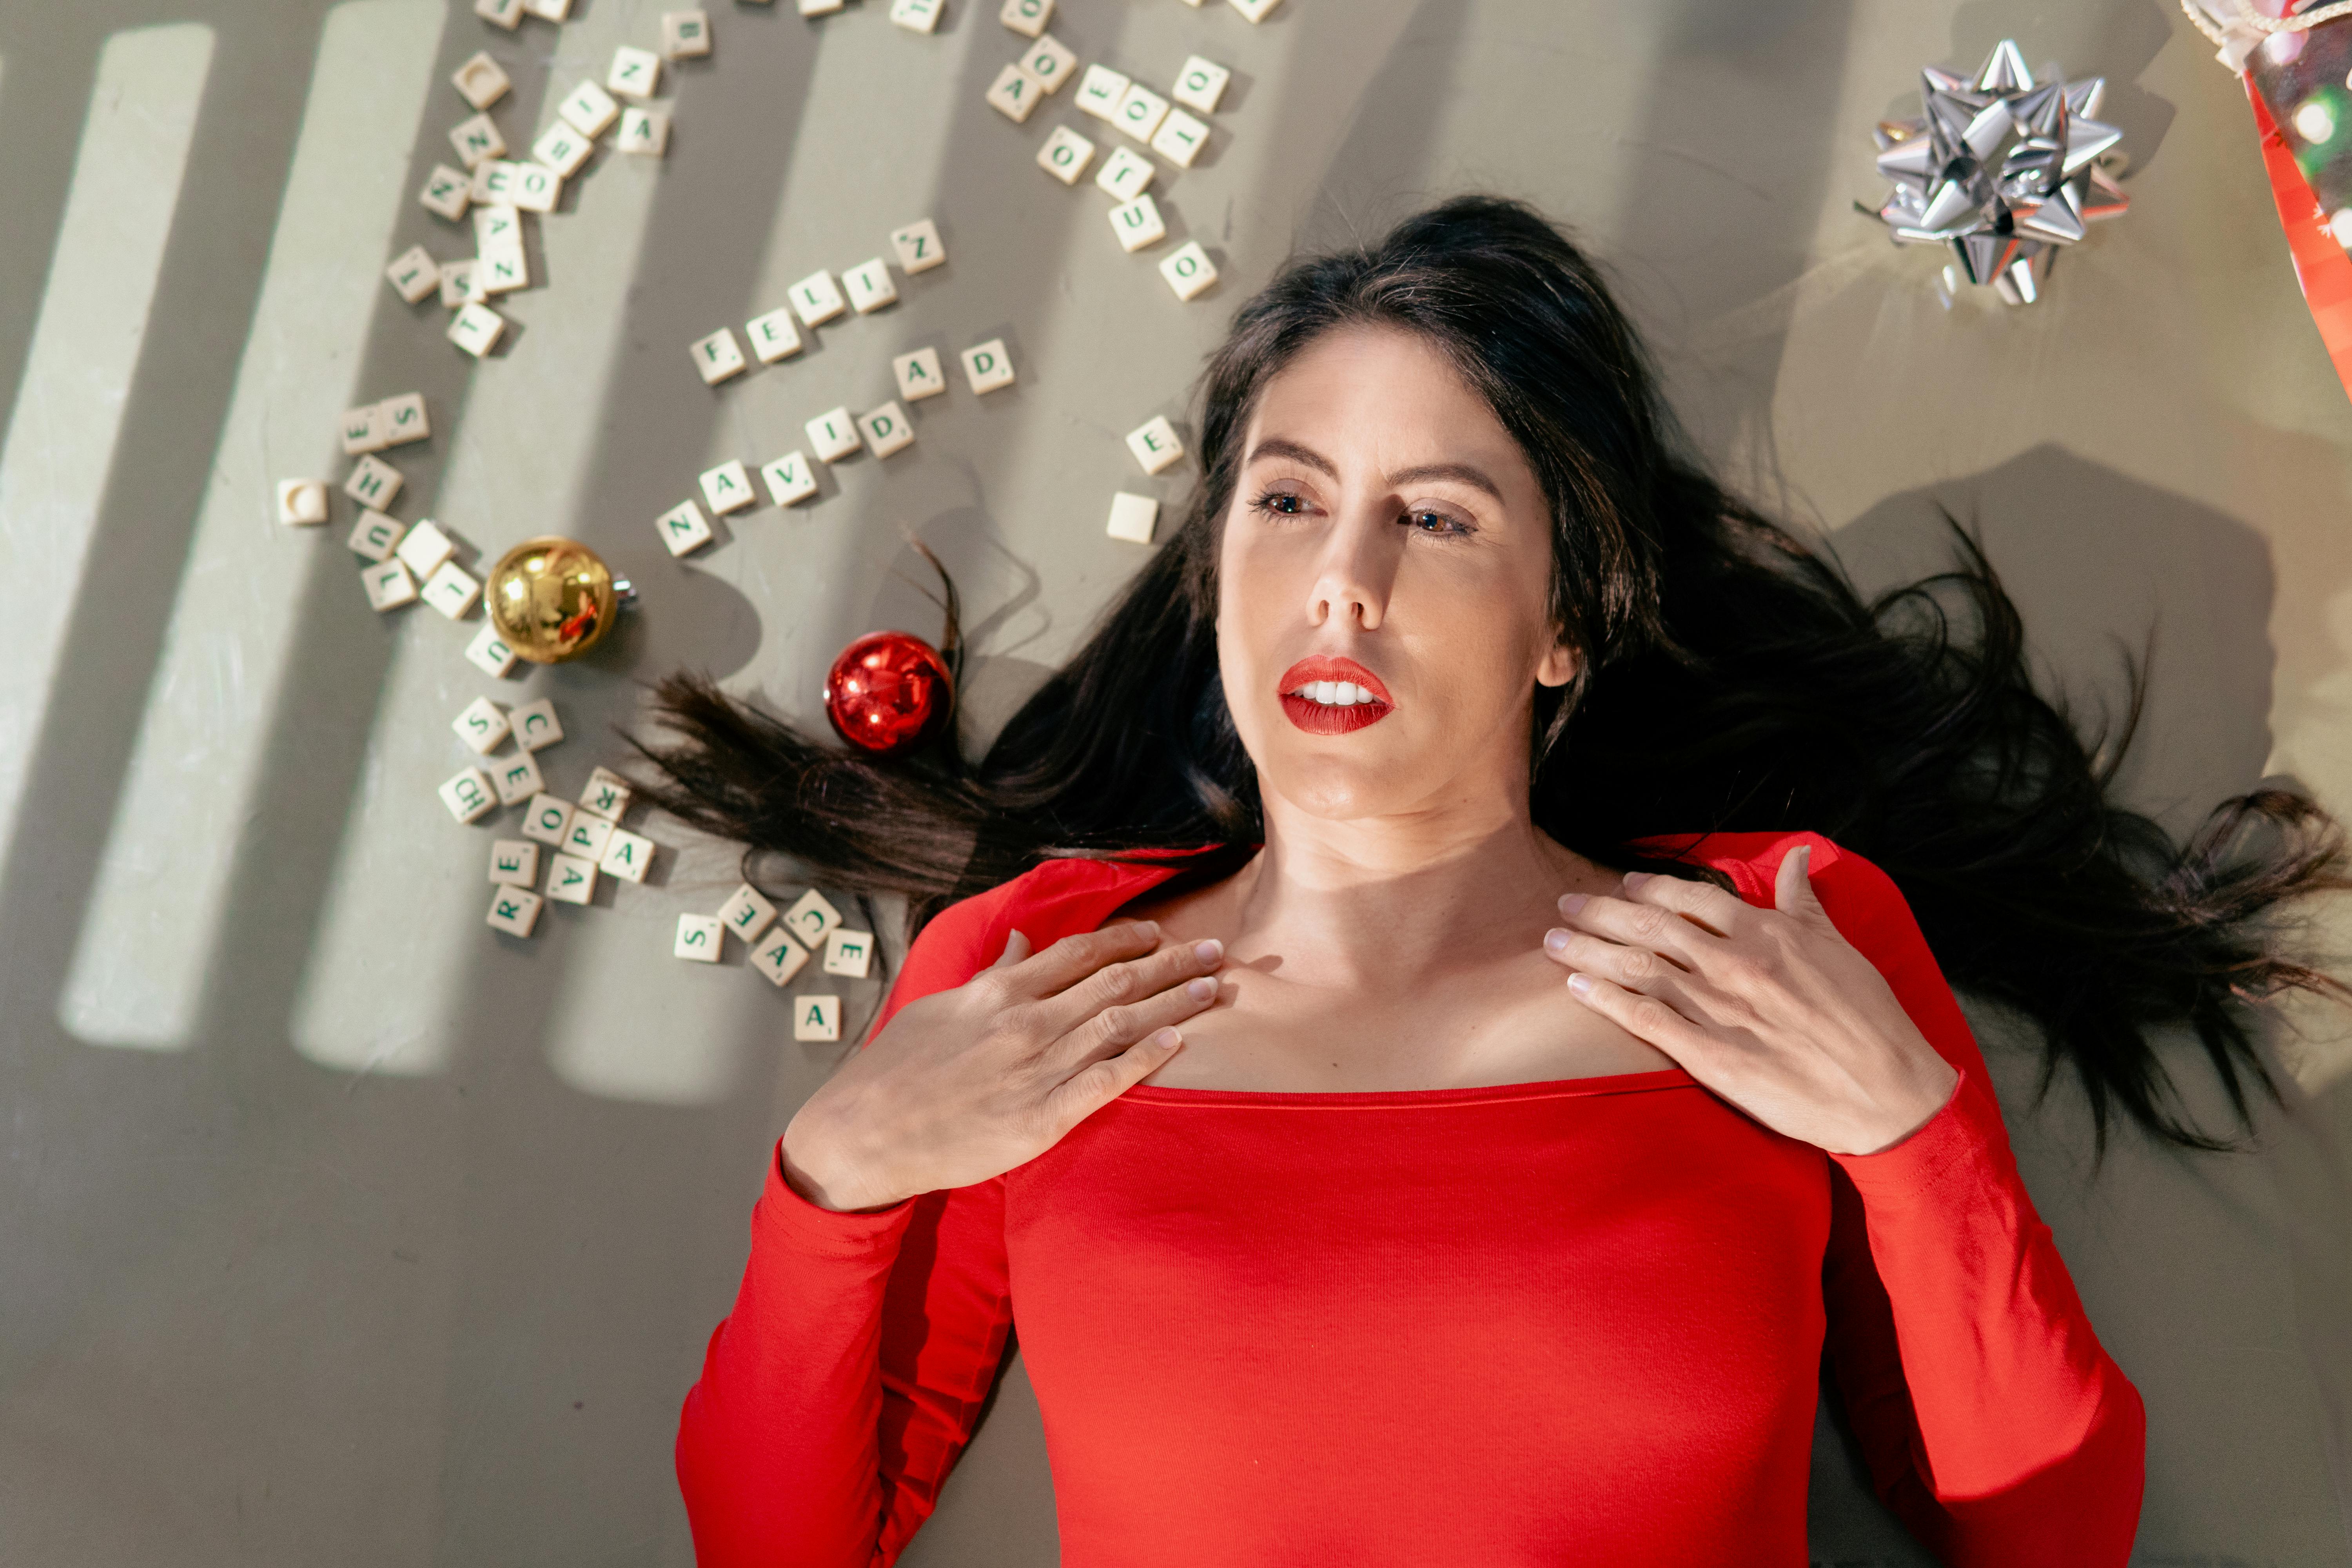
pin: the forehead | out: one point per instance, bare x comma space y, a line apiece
1374, 380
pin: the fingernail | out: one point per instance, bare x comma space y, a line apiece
1209, 951
1580, 983
1167, 1039
1200, 989
1555, 939
1805, 858
1636, 879
1573, 902
1149, 928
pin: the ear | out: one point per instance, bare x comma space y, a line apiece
1557, 666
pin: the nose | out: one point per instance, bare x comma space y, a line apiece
1352, 580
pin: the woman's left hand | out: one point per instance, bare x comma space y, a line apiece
1771, 1009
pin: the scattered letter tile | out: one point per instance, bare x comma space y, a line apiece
376, 536
587, 837
1100, 90
1065, 155
1190, 271
1133, 518
507, 14
774, 336
697, 938
686, 34
489, 652
1155, 444
402, 419
514, 910
718, 357
790, 478
446, 193
1200, 84
817, 1018
482, 725
1141, 110
1180, 138
1255, 10
728, 488
684, 528
361, 430
747, 914
626, 856
919, 375
468, 795
607, 794
1016, 94
1137, 223
848, 953
636, 73
870, 287
414, 274
479, 81
547, 819
372, 484
987, 365
590, 110
812, 919
1051, 61
302, 503
536, 727
478, 141
918, 247
571, 879
916, 16
1026, 17
834, 436
562, 149
886, 430
778, 955
425, 547
516, 779
815, 299
477, 329
1124, 174
514, 862
644, 131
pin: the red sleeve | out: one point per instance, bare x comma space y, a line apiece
842, 1389
1995, 1424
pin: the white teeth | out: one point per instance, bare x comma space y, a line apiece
1327, 692
1333, 693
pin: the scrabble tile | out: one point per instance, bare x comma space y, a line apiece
1124, 174
1141, 110
1155, 444
425, 547
779, 956
792, 478
587, 837
514, 862
817, 1018
1026, 17
718, 357
498, 225
886, 430
446, 193
372, 484
507, 14
815, 299
1016, 94
918, 247
868, 286
414, 274
1065, 155
562, 149
589, 109
1137, 223
404, 419
774, 336
482, 724
452, 590
728, 488
1255, 10
375, 535
834, 436
747, 914
1051, 61
536, 726
479, 81
478, 141
686, 34
626, 856
536, 188
1133, 518
988, 365
515, 911
1180, 138
361, 430
812, 919
492, 181
571, 879
388, 586
916, 16
475, 328
456, 281
489, 652
820, 7
636, 73
697, 938
302, 503
1100, 90
683, 528
1190, 271
547, 820
1200, 84
644, 131
517, 779
501, 272
918, 374
548, 10
468, 795
607, 794
848, 953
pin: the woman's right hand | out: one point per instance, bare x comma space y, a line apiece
965, 1084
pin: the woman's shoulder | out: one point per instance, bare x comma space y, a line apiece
1843, 878
1050, 900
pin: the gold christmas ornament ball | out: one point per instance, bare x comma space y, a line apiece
551, 599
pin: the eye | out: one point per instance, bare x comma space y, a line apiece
1428, 520
1280, 503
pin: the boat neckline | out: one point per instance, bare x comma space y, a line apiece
1383, 1098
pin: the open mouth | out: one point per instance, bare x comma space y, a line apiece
1328, 696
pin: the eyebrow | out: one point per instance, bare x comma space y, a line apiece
1461, 473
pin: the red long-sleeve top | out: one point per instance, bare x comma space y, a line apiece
1578, 1321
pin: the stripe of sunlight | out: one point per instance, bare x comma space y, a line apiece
138, 967
609, 1032
515, 469
85, 348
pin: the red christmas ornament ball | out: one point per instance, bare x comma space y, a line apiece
887, 692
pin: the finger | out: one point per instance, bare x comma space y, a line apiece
1016, 948
1650, 926
1634, 968
1128, 985
1644, 1017
1792, 889
1701, 903
1072, 959
1096, 1085
1121, 1025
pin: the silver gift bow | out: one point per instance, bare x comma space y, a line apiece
2002, 171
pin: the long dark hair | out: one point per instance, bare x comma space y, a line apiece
1730, 677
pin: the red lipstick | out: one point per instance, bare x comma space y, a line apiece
1328, 719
